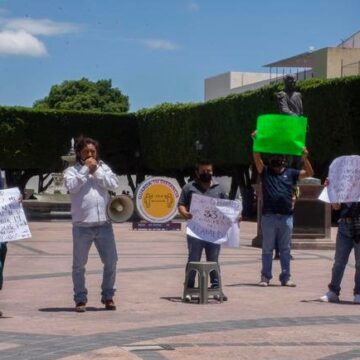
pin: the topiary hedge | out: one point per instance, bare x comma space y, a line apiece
165, 136
32, 139
168, 132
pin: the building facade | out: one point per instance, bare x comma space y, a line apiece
325, 63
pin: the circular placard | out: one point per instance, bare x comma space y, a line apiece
156, 199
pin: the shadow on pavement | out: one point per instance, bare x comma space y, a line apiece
345, 302
70, 309
252, 284
172, 298
195, 300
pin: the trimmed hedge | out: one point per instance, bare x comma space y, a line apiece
168, 132
165, 135
32, 139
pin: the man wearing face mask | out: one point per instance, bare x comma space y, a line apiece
203, 185
88, 183
277, 213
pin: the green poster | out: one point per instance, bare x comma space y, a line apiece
280, 134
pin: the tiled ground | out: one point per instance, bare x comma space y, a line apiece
151, 321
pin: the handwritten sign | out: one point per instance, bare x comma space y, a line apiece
280, 134
215, 220
344, 180
13, 224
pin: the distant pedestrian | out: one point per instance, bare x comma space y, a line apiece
89, 182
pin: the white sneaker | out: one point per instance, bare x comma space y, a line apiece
187, 298
264, 282
330, 296
289, 283
357, 299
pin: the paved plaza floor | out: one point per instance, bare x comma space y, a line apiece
152, 323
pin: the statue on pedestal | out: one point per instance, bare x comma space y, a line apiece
289, 100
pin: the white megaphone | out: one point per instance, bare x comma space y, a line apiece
120, 208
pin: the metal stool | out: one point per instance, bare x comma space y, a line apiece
203, 270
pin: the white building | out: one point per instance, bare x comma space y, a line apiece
326, 63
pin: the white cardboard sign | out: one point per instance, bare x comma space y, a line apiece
13, 223
344, 180
215, 220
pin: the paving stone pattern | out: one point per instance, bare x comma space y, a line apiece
151, 322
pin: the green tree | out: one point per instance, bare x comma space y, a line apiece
84, 95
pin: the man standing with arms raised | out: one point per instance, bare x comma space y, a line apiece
277, 212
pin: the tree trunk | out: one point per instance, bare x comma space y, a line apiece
19, 178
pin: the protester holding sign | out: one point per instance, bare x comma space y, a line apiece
3, 249
203, 185
13, 224
277, 213
347, 238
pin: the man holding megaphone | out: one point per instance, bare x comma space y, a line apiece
88, 183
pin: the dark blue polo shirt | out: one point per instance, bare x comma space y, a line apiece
350, 210
277, 190
192, 187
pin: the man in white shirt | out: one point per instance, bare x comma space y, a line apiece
88, 183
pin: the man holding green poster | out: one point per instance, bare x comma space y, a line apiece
277, 212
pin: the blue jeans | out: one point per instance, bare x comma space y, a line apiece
344, 245
3, 251
276, 228
212, 251
103, 237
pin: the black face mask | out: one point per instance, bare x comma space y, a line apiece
205, 177
276, 163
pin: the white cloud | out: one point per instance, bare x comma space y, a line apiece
39, 26
20, 43
19, 36
193, 6
159, 44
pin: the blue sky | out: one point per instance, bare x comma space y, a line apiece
156, 51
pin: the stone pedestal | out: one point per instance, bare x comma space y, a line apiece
312, 220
